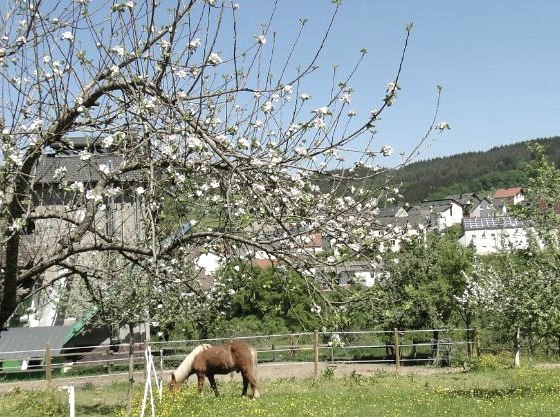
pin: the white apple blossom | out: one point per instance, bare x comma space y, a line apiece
60, 173
104, 169
258, 189
140, 190
181, 74
67, 36
261, 40
345, 98
91, 195
214, 59
108, 141
322, 111
84, 155
77, 186
319, 123
193, 45
441, 126
305, 97
267, 107
386, 150
119, 50
242, 143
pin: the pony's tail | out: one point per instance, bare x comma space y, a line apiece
254, 359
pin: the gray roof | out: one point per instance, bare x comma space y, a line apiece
480, 223
388, 211
28, 342
76, 169
465, 198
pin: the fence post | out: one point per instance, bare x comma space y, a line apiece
397, 348
48, 363
273, 353
316, 352
477, 342
109, 361
517, 359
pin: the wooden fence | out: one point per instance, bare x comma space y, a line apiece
440, 347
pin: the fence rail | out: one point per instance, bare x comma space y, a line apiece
399, 347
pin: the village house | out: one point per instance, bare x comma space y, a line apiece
513, 195
438, 214
493, 234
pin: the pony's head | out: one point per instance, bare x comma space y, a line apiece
174, 385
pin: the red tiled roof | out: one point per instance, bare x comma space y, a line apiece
262, 263
507, 192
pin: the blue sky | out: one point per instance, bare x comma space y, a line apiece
498, 61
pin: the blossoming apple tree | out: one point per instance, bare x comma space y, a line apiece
212, 131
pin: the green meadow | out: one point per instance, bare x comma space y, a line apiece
520, 392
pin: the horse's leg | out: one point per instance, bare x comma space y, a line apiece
252, 378
245, 384
200, 377
212, 381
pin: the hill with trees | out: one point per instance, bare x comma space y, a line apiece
480, 172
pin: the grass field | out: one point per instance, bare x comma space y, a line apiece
523, 392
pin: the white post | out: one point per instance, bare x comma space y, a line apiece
150, 367
517, 360
71, 399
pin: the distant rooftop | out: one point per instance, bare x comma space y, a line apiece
479, 223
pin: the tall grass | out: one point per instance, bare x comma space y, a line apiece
504, 392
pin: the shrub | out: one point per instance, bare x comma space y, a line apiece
493, 362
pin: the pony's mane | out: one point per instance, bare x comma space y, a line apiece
182, 372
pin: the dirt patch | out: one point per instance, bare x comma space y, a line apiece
266, 371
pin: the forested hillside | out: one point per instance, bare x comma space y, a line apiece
480, 172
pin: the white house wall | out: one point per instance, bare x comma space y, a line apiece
488, 241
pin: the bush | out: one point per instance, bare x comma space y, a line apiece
493, 362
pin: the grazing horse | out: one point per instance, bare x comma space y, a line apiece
207, 360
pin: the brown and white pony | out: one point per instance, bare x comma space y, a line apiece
207, 360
